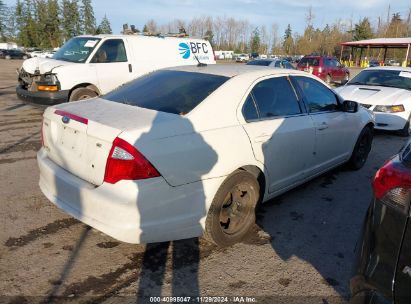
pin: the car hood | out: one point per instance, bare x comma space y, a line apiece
44, 65
373, 95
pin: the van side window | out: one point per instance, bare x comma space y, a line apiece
112, 50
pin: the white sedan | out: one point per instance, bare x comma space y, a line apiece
387, 92
191, 150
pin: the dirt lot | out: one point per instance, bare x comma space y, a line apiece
301, 251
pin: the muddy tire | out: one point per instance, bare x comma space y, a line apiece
361, 150
232, 212
81, 94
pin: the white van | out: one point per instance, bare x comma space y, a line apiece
89, 66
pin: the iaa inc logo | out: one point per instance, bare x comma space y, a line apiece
184, 50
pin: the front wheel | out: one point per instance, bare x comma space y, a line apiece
81, 94
328, 79
362, 149
346, 78
232, 212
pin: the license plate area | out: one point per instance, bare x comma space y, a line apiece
72, 140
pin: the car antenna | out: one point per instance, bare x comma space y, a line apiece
200, 64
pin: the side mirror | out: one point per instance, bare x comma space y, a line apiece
350, 106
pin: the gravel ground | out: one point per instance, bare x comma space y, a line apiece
300, 251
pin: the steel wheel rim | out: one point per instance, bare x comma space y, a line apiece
236, 208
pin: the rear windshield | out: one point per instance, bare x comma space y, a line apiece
309, 61
174, 92
383, 78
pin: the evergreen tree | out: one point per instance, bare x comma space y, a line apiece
71, 25
210, 37
362, 30
288, 40
255, 41
87, 16
52, 26
145, 28
41, 18
104, 27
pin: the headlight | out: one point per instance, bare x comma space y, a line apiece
48, 82
389, 109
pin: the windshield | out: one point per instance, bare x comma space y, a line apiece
385, 78
174, 92
76, 49
309, 61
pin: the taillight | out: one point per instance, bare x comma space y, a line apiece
392, 185
125, 162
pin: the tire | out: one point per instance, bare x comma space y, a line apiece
81, 94
25, 57
346, 78
7, 57
232, 212
328, 79
361, 150
405, 132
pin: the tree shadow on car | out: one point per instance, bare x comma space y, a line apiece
160, 213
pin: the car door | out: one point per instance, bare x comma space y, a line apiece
112, 65
281, 133
334, 128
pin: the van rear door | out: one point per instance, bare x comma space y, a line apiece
112, 64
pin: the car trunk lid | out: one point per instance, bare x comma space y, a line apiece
78, 136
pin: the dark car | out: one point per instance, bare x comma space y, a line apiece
13, 54
383, 263
328, 69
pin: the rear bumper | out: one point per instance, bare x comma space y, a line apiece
45, 98
142, 211
391, 121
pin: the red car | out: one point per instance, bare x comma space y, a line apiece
328, 69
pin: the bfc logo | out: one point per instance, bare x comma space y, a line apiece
195, 48
184, 50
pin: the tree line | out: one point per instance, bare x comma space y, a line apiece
48, 23
239, 35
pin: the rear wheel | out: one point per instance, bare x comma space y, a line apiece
346, 78
81, 94
232, 212
362, 149
328, 79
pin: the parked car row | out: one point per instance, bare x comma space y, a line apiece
13, 54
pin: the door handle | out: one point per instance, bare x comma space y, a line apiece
130, 68
322, 126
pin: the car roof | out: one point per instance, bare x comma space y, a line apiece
231, 70
390, 68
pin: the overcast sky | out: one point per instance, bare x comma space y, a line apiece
258, 12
